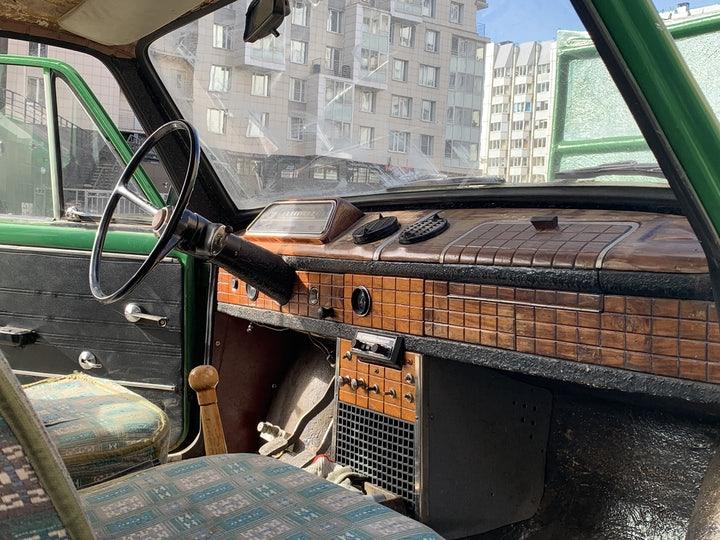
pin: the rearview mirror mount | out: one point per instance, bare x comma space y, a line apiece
263, 18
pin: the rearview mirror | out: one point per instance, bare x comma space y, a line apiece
263, 18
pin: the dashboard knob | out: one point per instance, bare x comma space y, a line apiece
392, 393
409, 379
357, 383
325, 312
374, 388
409, 397
347, 355
343, 380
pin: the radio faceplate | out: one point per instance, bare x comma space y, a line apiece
378, 349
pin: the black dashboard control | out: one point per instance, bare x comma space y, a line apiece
544, 223
357, 383
347, 355
409, 379
392, 393
361, 301
342, 380
375, 389
377, 229
424, 229
313, 295
235, 284
378, 349
252, 292
325, 311
409, 398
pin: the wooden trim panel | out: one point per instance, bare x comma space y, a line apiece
673, 338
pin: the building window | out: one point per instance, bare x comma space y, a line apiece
338, 130
429, 76
299, 13
35, 90
398, 141
216, 120
221, 36
538, 161
426, 144
542, 106
520, 71
499, 72
37, 49
521, 88
456, 12
260, 84
543, 68
540, 143
522, 106
298, 51
334, 21
256, 123
219, 79
428, 8
519, 144
541, 124
332, 59
496, 144
427, 110
495, 126
500, 108
432, 41
401, 107
400, 70
338, 92
369, 59
367, 101
375, 22
367, 137
406, 34
296, 128
519, 125
325, 172
297, 90
500, 90
518, 162
465, 48
543, 87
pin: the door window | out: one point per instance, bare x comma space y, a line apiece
24, 155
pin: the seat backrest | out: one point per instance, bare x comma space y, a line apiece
37, 497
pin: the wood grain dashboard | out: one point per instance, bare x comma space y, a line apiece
672, 337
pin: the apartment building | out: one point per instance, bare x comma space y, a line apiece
349, 91
518, 110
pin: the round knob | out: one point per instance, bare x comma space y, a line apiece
392, 393
325, 312
347, 355
374, 388
203, 378
409, 379
409, 397
357, 383
342, 380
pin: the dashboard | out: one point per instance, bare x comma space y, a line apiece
625, 290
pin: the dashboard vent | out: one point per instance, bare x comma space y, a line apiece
424, 229
377, 229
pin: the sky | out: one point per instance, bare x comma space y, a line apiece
538, 20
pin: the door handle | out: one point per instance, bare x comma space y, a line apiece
88, 360
16, 337
134, 313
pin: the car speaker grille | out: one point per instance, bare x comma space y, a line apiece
378, 446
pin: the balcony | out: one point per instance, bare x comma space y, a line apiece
410, 10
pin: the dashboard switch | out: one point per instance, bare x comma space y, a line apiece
409, 379
343, 380
357, 383
324, 312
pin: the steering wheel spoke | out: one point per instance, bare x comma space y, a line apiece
168, 237
136, 199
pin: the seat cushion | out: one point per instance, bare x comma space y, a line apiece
238, 496
100, 428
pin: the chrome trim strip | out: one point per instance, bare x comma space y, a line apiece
528, 304
81, 252
131, 384
601, 256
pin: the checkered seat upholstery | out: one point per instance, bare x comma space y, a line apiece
220, 497
101, 429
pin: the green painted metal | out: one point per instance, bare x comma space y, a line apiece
583, 49
94, 109
679, 105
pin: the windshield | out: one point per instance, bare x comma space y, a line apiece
383, 96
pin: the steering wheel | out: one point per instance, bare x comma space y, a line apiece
168, 236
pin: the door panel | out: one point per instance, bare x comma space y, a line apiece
46, 290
